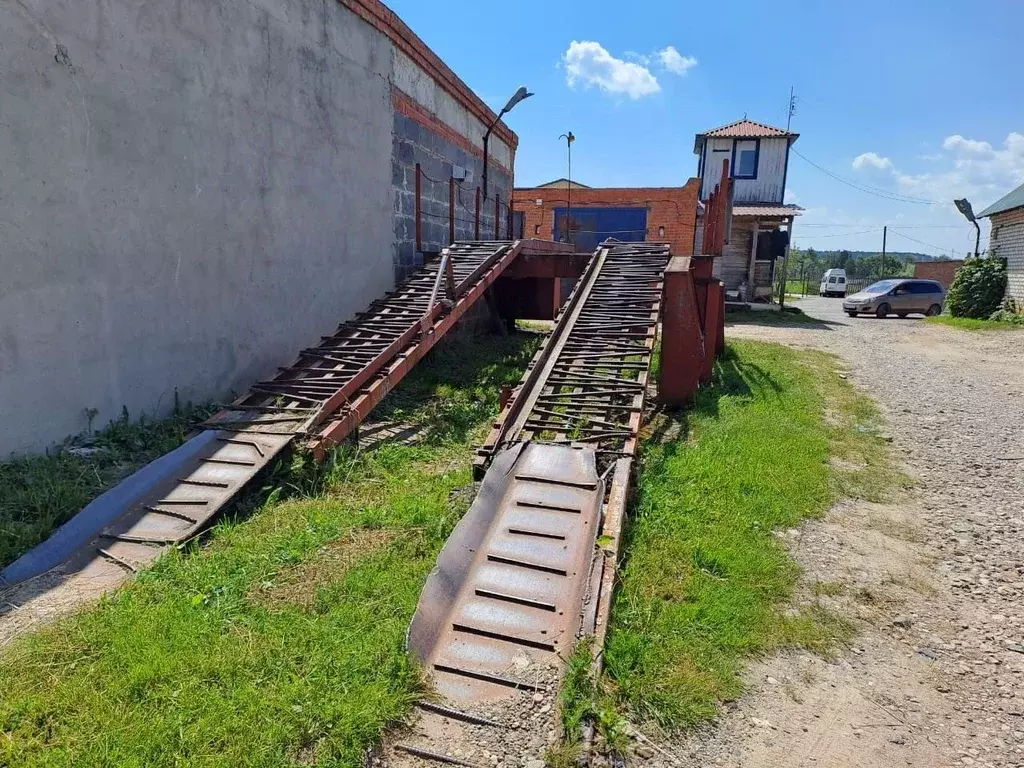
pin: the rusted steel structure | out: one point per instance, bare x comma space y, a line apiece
521, 579
694, 321
319, 399
588, 383
718, 215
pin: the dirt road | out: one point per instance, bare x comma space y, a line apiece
934, 581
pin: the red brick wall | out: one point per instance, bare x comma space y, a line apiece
674, 208
943, 271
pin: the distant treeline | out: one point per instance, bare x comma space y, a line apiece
808, 265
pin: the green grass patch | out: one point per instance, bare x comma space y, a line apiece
40, 493
705, 582
791, 317
973, 324
281, 642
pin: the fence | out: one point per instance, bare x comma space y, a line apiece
468, 214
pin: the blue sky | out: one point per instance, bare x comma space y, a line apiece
913, 98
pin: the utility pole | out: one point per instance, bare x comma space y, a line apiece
792, 107
885, 231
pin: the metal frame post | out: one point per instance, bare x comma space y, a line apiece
683, 356
419, 211
476, 231
451, 211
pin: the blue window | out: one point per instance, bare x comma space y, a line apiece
744, 158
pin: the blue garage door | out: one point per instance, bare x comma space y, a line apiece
590, 226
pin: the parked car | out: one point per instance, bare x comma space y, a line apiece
833, 283
900, 297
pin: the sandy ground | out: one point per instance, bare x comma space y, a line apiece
933, 581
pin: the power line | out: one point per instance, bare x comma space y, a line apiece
922, 242
848, 234
867, 189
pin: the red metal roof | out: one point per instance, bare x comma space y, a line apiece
747, 129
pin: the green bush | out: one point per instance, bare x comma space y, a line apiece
1009, 311
978, 288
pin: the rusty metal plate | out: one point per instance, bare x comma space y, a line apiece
507, 593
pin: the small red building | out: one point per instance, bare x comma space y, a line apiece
943, 271
568, 211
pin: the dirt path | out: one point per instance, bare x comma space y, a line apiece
934, 582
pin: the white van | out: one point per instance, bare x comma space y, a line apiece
833, 283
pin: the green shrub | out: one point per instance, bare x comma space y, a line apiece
978, 288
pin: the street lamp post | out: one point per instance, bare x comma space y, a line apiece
964, 206
518, 96
569, 139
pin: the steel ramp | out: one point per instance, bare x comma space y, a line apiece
506, 596
321, 397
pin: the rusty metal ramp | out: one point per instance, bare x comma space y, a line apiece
505, 600
320, 398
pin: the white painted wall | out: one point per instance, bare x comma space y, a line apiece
768, 187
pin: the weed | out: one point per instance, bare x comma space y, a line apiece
283, 639
704, 580
828, 588
973, 324
40, 493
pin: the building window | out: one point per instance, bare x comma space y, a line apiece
661, 231
744, 158
536, 229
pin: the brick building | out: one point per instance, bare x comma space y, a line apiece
943, 271
1007, 239
655, 214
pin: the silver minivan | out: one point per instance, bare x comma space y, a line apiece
899, 297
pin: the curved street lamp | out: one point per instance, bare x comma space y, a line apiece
569, 139
964, 206
518, 96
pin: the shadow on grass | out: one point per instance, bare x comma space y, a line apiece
785, 319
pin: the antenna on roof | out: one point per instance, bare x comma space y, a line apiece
792, 107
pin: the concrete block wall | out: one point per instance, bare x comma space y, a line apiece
1007, 241
671, 209
421, 138
193, 192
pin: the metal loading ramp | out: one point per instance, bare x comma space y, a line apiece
520, 579
318, 399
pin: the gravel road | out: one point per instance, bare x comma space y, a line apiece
934, 581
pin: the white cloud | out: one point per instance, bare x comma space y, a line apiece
872, 160
972, 168
587, 62
975, 169
675, 62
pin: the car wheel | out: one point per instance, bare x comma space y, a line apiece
933, 310
882, 311
852, 314
901, 314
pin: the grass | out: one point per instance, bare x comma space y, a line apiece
40, 493
972, 324
282, 641
791, 317
705, 582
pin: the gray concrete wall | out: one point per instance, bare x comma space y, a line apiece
190, 192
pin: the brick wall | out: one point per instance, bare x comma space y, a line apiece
943, 271
420, 138
674, 208
1007, 241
